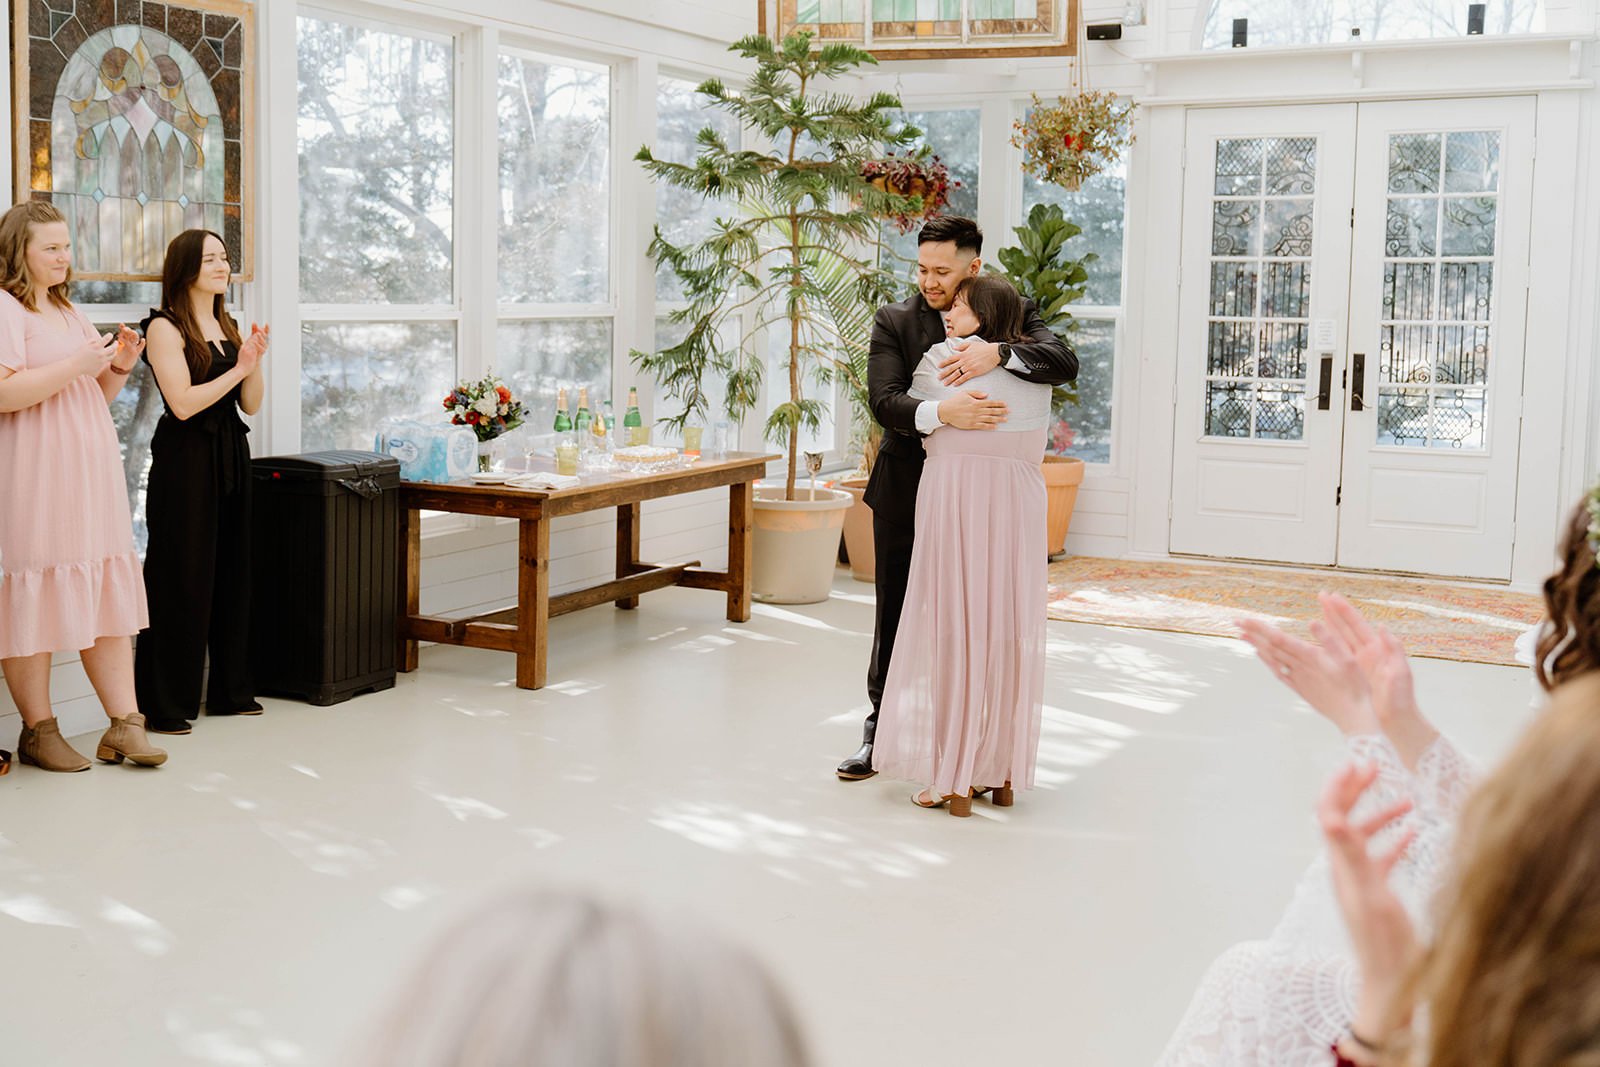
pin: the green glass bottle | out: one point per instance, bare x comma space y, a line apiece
633, 424
584, 419
563, 422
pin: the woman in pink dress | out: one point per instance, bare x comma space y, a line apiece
965, 693
71, 577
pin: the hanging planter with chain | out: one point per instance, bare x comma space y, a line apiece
1075, 138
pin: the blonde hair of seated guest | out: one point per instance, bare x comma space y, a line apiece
546, 978
1513, 972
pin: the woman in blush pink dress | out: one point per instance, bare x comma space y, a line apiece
965, 694
71, 579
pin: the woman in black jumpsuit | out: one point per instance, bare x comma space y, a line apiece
197, 506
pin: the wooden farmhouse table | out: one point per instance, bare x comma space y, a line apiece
524, 629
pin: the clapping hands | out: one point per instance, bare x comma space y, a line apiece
129, 346
1356, 675
1380, 930
254, 347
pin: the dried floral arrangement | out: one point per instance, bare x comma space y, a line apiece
1075, 138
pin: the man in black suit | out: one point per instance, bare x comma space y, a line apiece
948, 249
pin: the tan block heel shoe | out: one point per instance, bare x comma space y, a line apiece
126, 740
43, 746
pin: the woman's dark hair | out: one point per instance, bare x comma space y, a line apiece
996, 305
178, 273
963, 231
1570, 645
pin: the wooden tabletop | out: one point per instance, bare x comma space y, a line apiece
596, 488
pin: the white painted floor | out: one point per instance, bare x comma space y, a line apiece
253, 901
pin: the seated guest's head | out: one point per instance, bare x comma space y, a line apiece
560, 979
1570, 644
1513, 975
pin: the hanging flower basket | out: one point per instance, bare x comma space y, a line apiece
1075, 138
921, 175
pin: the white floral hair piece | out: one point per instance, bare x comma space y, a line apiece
1593, 537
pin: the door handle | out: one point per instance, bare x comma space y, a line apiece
1325, 382
1358, 378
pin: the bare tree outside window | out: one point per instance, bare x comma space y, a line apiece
377, 145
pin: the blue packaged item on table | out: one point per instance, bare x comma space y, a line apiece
428, 452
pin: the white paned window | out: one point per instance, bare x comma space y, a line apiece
379, 316
1098, 206
556, 310
1280, 23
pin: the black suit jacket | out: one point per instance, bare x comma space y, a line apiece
902, 333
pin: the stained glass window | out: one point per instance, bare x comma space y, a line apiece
921, 28
135, 127
1438, 287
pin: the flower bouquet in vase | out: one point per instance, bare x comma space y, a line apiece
488, 407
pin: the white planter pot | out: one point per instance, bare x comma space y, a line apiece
796, 544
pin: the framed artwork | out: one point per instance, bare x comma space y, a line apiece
932, 29
133, 118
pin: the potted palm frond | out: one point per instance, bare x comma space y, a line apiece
794, 261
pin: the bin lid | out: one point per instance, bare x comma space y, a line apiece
327, 466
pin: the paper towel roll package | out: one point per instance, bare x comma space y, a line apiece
428, 452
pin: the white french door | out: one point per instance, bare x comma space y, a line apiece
1352, 316
1265, 269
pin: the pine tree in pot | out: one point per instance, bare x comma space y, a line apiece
1042, 271
794, 256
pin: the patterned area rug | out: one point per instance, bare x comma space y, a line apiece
1461, 622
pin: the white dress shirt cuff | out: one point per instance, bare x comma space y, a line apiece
928, 417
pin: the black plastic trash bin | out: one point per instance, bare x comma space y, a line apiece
325, 569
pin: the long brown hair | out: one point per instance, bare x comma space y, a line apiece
178, 273
16, 227
996, 305
1513, 974
1570, 644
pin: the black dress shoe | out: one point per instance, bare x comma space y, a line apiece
858, 766
167, 726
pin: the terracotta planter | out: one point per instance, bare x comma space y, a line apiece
1062, 476
796, 545
858, 531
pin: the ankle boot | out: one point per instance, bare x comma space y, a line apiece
43, 746
126, 740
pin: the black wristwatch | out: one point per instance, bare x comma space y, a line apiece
1005, 353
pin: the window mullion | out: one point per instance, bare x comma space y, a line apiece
478, 196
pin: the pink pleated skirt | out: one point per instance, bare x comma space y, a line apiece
69, 572
965, 694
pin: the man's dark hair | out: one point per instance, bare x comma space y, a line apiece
964, 232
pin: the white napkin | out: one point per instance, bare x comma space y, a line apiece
543, 480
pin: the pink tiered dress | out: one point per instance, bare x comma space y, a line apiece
964, 700
69, 572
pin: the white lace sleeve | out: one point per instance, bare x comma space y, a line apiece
1266, 1004
1282, 1002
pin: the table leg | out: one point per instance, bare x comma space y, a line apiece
533, 600
741, 545
627, 548
410, 585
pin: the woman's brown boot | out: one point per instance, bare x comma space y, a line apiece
43, 746
126, 740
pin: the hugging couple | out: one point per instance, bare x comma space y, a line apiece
959, 376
